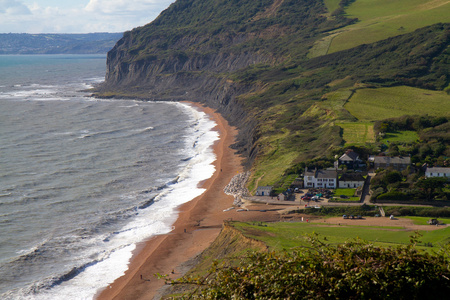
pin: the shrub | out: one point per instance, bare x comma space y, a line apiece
353, 270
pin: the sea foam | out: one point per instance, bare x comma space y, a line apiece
157, 218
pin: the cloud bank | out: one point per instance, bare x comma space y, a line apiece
21, 16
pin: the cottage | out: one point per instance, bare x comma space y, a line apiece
281, 197
398, 163
437, 172
320, 178
350, 159
351, 180
298, 183
263, 190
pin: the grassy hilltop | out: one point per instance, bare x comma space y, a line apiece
301, 79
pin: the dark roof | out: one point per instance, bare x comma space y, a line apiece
349, 155
352, 177
392, 160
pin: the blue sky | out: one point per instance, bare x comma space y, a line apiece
77, 16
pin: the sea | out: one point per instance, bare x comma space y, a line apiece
84, 180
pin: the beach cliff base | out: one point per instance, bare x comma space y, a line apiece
198, 224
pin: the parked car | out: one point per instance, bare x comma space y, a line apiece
344, 217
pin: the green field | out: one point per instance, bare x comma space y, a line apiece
383, 103
423, 220
356, 133
347, 192
381, 19
400, 137
284, 235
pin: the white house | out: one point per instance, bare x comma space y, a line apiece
437, 172
351, 180
320, 179
263, 190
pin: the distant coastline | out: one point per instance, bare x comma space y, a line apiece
49, 43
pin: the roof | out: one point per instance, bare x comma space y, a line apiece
392, 160
322, 173
266, 187
438, 170
352, 177
349, 155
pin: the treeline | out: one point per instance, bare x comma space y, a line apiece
414, 123
433, 145
419, 59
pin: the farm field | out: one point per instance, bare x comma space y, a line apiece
400, 137
291, 235
381, 19
357, 133
382, 103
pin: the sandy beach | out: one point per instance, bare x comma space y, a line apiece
198, 224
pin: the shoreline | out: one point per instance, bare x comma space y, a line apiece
199, 222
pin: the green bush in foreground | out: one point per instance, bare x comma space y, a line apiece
353, 270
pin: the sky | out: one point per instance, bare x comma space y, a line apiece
77, 16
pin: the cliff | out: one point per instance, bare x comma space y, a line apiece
191, 51
253, 62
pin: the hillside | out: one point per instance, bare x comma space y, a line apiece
90, 43
261, 64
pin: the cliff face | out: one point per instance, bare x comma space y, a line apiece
188, 79
194, 48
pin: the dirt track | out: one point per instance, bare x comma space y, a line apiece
406, 224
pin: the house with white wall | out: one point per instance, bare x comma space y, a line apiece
351, 180
320, 178
264, 190
437, 172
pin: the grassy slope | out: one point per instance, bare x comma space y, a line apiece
381, 19
296, 101
382, 103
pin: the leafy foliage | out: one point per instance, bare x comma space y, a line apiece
353, 270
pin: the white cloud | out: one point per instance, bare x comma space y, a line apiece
122, 6
13, 7
76, 17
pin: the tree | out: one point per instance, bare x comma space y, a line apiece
431, 185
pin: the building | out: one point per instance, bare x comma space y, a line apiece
437, 172
320, 178
263, 190
350, 159
298, 183
398, 163
351, 180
